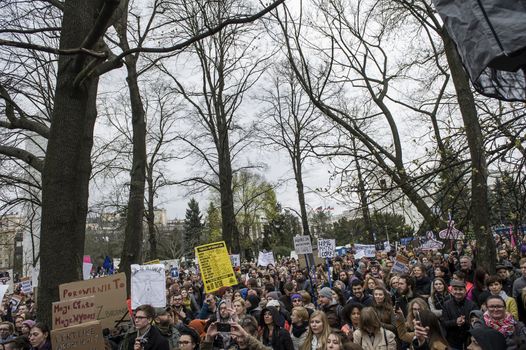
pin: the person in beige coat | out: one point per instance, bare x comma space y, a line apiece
371, 335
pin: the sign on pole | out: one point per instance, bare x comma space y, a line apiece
147, 285
110, 297
400, 265
215, 266
326, 248
302, 245
86, 336
73, 312
25, 285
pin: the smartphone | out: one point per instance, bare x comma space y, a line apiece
396, 305
228, 303
417, 316
223, 327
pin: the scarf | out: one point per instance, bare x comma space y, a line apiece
440, 299
297, 331
506, 326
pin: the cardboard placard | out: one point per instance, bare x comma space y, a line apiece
326, 248
148, 285
86, 336
73, 312
110, 296
215, 266
400, 265
302, 245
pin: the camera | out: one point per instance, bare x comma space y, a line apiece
223, 327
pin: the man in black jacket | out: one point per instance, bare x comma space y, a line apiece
455, 316
145, 335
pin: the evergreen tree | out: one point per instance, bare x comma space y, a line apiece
213, 224
193, 227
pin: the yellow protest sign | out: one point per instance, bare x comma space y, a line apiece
215, 266
152, 262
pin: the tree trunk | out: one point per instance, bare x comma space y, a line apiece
67, 167
150, 217
301, 194
485, 256
132, 249
228, 216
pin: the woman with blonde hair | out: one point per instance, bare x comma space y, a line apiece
300, 323
405, 328
318, 332
371, 335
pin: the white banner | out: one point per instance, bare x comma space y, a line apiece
364, 250
148, 285
302, 245
326, 248
265, 258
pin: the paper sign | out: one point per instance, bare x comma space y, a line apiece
215, 266
235, 259
326, 248
14, 302
35, 272
25, 285
148, 285
73, 312
6, 278
86, 270
302, 245
87, 336
400, 265
364, 250
265, 259
3, 290
110, 296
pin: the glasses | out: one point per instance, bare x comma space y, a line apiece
496, 307
185, 342
296, 300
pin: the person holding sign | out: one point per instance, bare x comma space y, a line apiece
146, 336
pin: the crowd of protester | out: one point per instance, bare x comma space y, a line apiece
442, 302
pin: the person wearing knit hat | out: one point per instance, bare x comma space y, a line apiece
26, 327
484, 338
331, 308
325, 292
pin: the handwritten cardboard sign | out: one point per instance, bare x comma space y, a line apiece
86, 336
148, 285
110, 296
73, 312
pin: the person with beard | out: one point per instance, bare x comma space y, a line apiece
300, 323
404, 293
179, 310
358, 294
273, 334
165, 323
330, 307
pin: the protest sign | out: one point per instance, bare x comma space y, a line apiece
400, 265
6, 278
73, 312
235, 259
3, 290
110, 296
86, 336
86, 270
35, 272
14, 302
302, 245
25, 285
265, 259
215, 266
364, 250
153, 262
148, 285
326, 248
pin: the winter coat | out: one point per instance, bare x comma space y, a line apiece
382, 340
457, 336
279, 339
